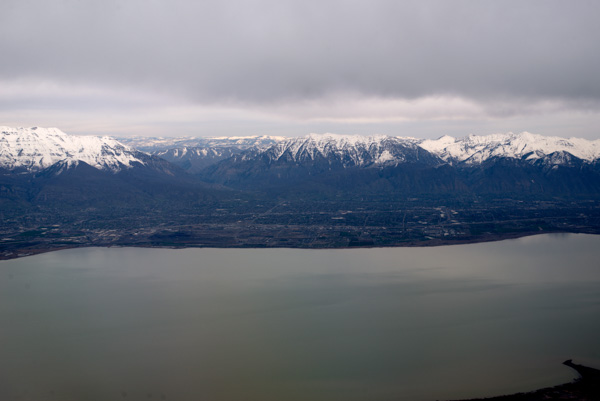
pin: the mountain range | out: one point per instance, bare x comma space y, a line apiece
511, 163
33, 149
471, 149
47, 176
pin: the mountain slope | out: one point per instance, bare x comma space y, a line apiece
34, 149
156, 144
48, 167
325, 166
349, 150
373, 151
315, 191
195, 159
194, 154
380, 166
474, 149
321, 166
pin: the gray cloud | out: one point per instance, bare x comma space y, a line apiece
271, 51
417, 68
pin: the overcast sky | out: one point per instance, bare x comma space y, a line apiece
207, 68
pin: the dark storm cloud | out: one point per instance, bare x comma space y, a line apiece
266, 51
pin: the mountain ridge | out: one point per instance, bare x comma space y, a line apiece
313, 191
473, 149
34, 149
374, 150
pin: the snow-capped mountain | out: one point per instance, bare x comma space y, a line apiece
160, 144
34, 149
376, 165
194, 154
99, 170
193, 151
382, 150
347, 150
194, 159
474, 149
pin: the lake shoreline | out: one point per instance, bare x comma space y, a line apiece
585, 387
31, 250
431, 324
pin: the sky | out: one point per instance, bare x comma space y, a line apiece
286, 67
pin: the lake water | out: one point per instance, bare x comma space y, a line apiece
307, 325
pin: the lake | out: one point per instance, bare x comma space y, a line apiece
289, 324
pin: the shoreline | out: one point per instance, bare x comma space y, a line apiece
21, 252
584, 388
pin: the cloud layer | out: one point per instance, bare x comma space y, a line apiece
360, 61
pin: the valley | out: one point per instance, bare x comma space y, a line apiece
318, 191
296, 224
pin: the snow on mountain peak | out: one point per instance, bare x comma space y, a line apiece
162, 144
474, 149
344, 140
350, 150
37, 148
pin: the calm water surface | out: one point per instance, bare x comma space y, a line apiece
286, 324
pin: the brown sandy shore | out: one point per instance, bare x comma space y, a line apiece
584, 388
